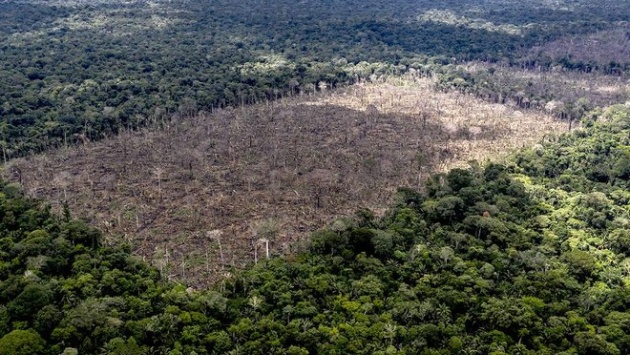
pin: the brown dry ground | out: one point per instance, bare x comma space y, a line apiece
197, 195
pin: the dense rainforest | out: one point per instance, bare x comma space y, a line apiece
74, 71
527, 257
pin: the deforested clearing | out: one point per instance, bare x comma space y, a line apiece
228, 187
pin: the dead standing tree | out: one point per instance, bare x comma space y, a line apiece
265, 231
62, 181
216, 236
318, 182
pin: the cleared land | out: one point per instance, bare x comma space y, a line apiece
199, 194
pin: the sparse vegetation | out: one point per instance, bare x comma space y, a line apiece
565, 94
301, 161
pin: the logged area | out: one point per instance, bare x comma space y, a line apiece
432, 177
530, 257
204, 190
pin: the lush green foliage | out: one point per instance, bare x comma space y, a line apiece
528, 258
